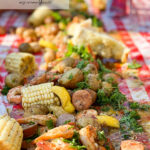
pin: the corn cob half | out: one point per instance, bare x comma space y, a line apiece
21, 63
39, 94
11, 134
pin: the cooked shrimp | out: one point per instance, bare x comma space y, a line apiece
101, 148
14, 95
39, 119
56, 144
131, 145
65, 131
39, 79
88, 136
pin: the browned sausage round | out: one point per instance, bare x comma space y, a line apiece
29, 130
82, 100
93, 94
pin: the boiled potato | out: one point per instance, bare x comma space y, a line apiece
85, 121
70, 78
56, 110
93, 81
91, 68
36, 110
25, 47
13, 80
35, 47
107, 87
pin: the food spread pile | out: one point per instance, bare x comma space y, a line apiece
75, 103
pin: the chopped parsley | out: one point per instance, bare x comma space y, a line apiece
70, 77
129, 124
82, 85
28, 140
82, 64
59, 18
50, 124
105, 108
5, 90
135, 105
80, 50
116, 99
75, 142
134, 65
67, 121
101, 135
31, 123
96, 22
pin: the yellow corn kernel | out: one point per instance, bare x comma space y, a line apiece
21, 63
11, 134
38, 94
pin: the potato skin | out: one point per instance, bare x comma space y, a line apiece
25, 47
84, 121
13, 80
94, 82
76, 76
91, 68
107, 87
36, 110
111, 77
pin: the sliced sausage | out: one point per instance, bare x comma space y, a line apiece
29, 130
82, 100
93, 94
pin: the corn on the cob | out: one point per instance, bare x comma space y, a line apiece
11, 134
39, 94
21, 63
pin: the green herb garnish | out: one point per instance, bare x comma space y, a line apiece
105, 108
116, 99
5, 90
82, 64
80, 50
59, 18
70, 77
134, 65
75, 142
135, 105
129, 123
101, 135
96, 22
50, 124
82, 85
67, 121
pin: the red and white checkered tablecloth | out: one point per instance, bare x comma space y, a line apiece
138, 43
